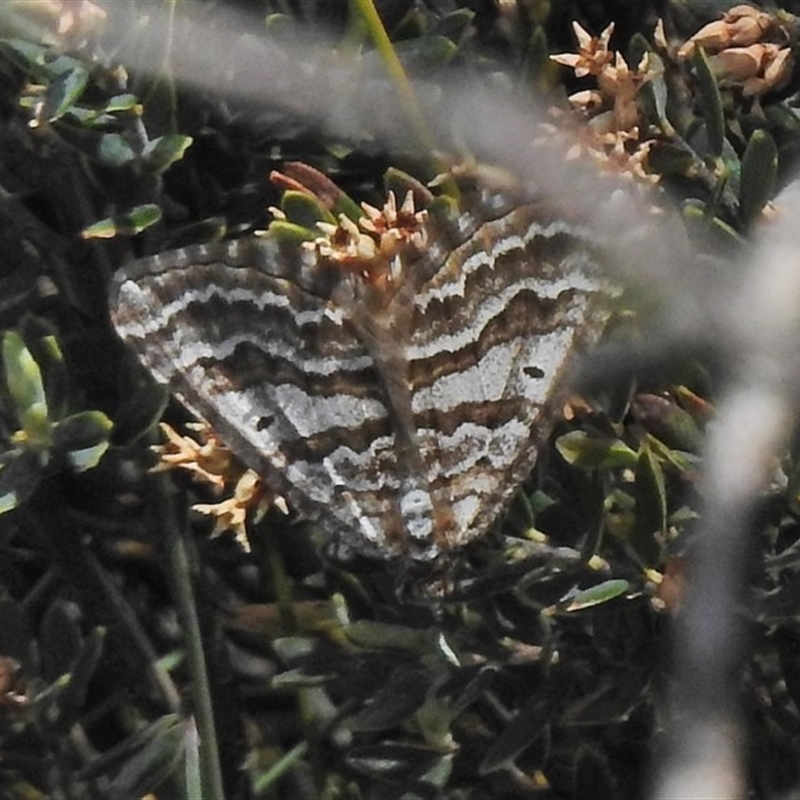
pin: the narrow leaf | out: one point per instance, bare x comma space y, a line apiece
710, 102
593, 451
289, 234
83, 437
651, 508
382, 635
62, 93
22, 374
304, 210
114, 150
667, 421
128, 223
759, 172
156, 754
593, 596
161, 153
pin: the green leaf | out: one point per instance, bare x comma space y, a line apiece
54, 375
651, 508
383, 635
697, 218
672, 158
38, 59
128, 223
300, 679
656, 95
38, 430
60, 64
62, 93
710, 102
26, 388
344, 204
400, 182
594, 596
680, 460
109, 113
161, 153
289, 234
114, 150
23, 376
637, 48
263, 780
759, 173
595, 451
667, 421
40, 339
444, 208
304, 210
83, 438
123, 102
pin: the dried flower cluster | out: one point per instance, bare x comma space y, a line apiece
747, 48
211, 463
613, 132
612, 105
371, 244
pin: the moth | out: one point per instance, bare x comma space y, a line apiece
398, 399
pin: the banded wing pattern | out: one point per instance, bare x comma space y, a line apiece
400, 419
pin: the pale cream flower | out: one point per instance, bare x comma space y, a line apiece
372, 247
588, 100
623, 84
396, 227
618, 152
208, 460
344, 242
593, 54
249, 494
211, 463
617, 83
758, 68
740, 26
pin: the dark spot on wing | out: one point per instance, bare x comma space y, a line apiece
533, 372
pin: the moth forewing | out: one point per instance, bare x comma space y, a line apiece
399, 412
